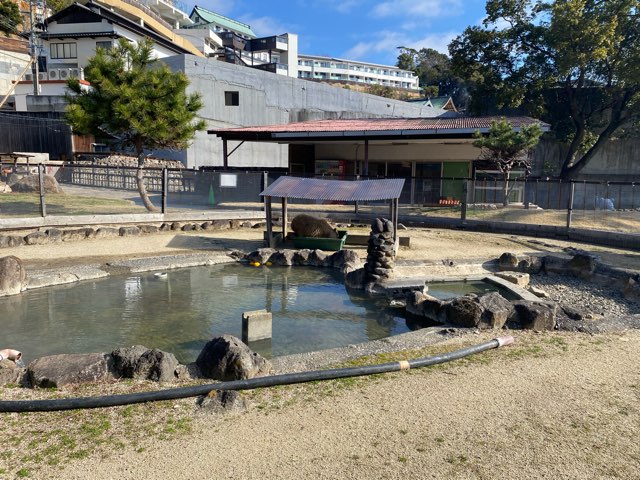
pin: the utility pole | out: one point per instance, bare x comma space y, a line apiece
33, 49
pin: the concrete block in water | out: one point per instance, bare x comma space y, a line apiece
256, 325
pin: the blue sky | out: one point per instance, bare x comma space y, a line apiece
366, 30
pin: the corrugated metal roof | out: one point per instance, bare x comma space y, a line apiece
385, 124
335, 190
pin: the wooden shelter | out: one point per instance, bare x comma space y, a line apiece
333, 191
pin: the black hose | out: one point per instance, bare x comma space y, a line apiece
259, 382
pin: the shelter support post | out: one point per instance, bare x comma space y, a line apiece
394, 219
267, 210
43, 204
225, 155
284, 218
366, 158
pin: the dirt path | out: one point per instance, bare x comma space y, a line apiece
551, 406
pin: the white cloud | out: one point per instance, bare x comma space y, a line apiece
437, 41
265, 26
418, 8
386, 42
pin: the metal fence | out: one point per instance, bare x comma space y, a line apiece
541, 201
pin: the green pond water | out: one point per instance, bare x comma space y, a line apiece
180, 313
311, 310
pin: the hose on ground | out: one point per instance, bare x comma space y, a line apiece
250, 384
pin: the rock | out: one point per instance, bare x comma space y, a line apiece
142, 363
343, 257
37, 238
106, 232
54, 234
423, 305
355, 279
301, 257
10, 374
377, 226
464, 311
31, 184
534, 315
496, 310
13, 277
317, 258
262, 255
283, 258
129, 231
189, 227
4, 188
176, 226
165, 227
518, 278
223, 401
522, 263
10, 241
538, 292
226, 358
631, 290
555, 264
58, 370
574, 313
220, 225
582, 265
148, 229
74, 235
246, 224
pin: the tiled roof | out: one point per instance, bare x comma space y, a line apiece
335, 190
212, 17
394, 126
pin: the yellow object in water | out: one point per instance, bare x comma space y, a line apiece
256, 264
268, 264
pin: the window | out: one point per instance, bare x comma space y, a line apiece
104, 45
64, 50
232, 99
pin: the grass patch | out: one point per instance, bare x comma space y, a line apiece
28, 204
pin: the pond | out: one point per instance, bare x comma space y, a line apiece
311, 311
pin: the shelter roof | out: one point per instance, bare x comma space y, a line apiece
372, 128
335, 190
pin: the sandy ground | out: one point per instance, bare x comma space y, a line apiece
554, 405
551, 406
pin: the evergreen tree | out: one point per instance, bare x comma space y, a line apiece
136, 100
10, 18
506, 149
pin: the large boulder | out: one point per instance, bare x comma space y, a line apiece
13, 278
520, 263
421, 304
58, 370
227, 358
496, 310
534, 315
464, 311
31, 184
144, 364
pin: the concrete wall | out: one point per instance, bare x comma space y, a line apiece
618, 160
13, 59
267, 99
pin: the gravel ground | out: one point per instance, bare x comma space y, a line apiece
585, 296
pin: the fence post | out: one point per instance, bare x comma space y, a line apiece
465, 195
572, 189
43, 205
165, 189
356, 202
265, 184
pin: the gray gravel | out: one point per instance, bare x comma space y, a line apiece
584, 295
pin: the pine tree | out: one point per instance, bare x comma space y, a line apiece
136, 100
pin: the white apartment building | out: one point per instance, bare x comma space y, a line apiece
349, 71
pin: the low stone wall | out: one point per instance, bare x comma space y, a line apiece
57, 235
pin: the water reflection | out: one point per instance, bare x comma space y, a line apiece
183, 310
